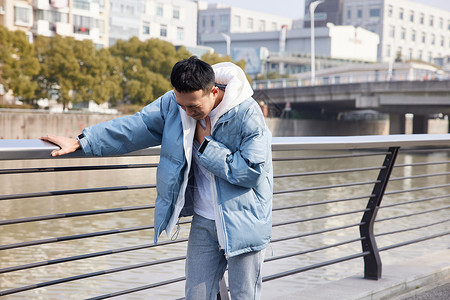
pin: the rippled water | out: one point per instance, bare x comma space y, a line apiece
12, 184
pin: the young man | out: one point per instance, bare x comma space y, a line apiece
215, 164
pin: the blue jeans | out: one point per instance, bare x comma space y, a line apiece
206, 264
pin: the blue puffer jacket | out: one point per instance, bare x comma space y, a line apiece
238, 155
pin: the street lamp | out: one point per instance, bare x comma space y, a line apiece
228, 40
312, 8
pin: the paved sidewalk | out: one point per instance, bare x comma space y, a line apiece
427, 277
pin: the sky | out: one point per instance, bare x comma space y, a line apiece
295, 8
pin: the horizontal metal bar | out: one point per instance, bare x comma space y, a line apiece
269, 259
137, 289
415, 201
413, 214
314, 266
328, 172
351, 155
412, 228
420, 176
324, 187
77, 191
321, 202
314, 233
318, 218
74, 237
425, 238
84, 276
38, 149
75, 214
434, 149
89, 255
418, 189
75, 168
429, 163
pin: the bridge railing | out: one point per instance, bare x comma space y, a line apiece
343, 79
328, 192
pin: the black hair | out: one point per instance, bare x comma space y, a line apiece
192, 74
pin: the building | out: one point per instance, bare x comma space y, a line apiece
281, 51
219, 18
82, 19
328, 12
174, 21
407, 30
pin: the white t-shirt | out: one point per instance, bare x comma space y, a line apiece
203, 202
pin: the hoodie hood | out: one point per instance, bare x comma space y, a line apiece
238, 88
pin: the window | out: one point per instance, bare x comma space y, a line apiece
262, 25
224, 21
423, 37
410, 53
389, 11
81, 4
180, 33
388, 50
237, 21
413, 35
403, 34
250, 23
400, 14
163, 31
146, 27
274, 26
441, 23
422, 19
203, 22
159, 10
411, 16
374, 12
392, 31
442, 41
176, 13
359, 14
213, 22
420, 54
431, 21
23, 15
82, 24
433, 39
349, 14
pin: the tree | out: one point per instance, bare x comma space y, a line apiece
18, 63
60, 70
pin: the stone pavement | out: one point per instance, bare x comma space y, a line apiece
423, 278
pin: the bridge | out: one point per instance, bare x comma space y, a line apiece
396, 98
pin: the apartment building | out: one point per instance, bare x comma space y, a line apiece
220, 18
82, 19
406, 28
174, 21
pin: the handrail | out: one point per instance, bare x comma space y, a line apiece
38, 149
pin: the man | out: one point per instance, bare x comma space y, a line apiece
215, 164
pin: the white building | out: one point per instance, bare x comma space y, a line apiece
414, 30
332, 42
219, 18
82, 19
174, 21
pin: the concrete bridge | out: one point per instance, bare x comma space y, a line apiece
396, 98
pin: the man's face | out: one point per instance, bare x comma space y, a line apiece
198, 104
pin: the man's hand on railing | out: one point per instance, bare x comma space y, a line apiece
67, 145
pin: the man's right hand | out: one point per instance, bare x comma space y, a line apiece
67, 145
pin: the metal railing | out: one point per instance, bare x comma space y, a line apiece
308, 172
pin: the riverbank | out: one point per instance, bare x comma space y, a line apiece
32, 124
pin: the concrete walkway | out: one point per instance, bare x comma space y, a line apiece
427, 277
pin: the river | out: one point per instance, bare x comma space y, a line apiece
23, 183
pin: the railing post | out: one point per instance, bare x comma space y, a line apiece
372, 262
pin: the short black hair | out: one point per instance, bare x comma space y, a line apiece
192, 74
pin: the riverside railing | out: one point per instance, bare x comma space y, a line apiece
328, 192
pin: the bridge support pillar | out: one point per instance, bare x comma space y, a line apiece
397, 124
420, 124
